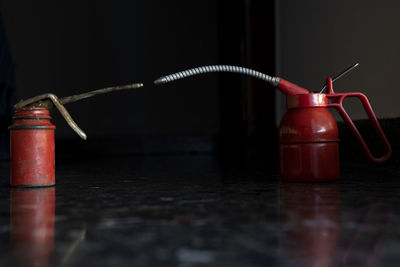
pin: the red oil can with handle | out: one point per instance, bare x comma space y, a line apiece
308, 133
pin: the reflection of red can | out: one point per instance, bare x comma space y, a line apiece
310, 215
32, 148
32, 225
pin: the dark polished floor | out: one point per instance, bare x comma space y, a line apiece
196, 210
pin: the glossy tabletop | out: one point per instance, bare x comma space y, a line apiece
198, 210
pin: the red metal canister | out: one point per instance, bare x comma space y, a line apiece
308, 135
32, 148
308, 140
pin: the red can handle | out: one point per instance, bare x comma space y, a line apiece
336, 100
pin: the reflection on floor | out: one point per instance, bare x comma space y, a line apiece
196, 210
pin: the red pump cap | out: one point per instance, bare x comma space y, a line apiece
31, 117
31, 113
306, 101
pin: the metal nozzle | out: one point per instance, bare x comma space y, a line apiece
74, 98
160, 80
48, 100
340, 75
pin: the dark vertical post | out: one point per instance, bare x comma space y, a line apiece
261, 56
246, 38
7, 92
231, 33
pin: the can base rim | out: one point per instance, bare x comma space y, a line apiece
32, 185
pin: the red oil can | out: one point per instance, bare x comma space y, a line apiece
32, 148
32, 136
308, 135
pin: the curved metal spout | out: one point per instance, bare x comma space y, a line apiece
54, 99
49, 99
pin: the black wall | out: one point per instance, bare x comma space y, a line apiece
75, 46
317, 39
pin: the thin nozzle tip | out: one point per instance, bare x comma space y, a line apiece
81, 134
137, 85
160, 80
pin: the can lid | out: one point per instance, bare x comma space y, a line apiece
31, 113
306, 100
28, 118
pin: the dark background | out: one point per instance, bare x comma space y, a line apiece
70, 47
169, 203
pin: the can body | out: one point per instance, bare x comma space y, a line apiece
32, 148
308, 145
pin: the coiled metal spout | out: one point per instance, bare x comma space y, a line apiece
217, 68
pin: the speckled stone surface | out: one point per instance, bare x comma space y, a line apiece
196, 210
